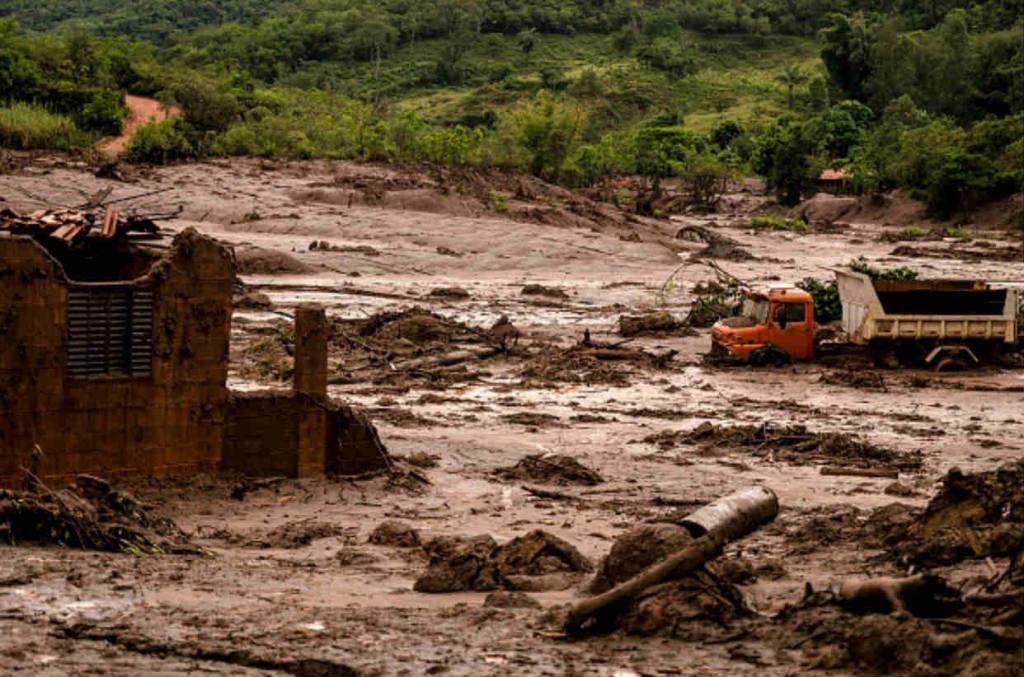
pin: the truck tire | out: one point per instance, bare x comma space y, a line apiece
769, 356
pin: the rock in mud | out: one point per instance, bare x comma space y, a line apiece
396, 534
636, 550
541, 290
252, 260
648, 323
452, 293
552, 469
511, 600
298, 534
537, 561
253, 300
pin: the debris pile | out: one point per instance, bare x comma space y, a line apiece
415, 343
558, 469
653, 323
73, 225
535, 562
972, 516
718, 246
396, 534
295, 534
89, 515
791, 443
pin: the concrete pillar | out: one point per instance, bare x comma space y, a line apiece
311, 350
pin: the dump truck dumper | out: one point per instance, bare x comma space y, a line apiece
934, 321
940, 323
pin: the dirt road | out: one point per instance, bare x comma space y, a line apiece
269, 598
142, 110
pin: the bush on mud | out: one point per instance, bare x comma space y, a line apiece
772, 222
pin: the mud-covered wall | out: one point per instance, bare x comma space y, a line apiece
272, 433
262, 434
169, 422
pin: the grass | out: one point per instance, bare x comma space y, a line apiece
779, 223
24, 126
914, 233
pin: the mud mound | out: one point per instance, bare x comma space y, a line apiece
636, 550
696, 607
253, 300
89, 515
792, 443
854, 378
547, 292
298, 534
825, 209
573, 366
552, 469
416, 325
396, 534
252, 260
981, 250
831, 638
972, 516
648, 324
534, 562
511, 600
452, 293
718, 246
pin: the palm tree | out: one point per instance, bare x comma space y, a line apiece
792, 76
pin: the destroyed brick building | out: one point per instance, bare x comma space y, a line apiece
114, 360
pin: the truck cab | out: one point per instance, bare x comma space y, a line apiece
775, 326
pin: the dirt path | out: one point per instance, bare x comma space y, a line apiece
141, 111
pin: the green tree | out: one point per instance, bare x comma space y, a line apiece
847, 53
792, 77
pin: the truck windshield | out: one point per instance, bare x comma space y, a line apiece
756, 310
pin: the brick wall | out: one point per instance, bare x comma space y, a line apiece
169, 422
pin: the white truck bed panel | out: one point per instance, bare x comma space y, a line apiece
865, 318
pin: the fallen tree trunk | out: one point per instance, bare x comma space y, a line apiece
447, 360
716, 524
679, 564
860, 472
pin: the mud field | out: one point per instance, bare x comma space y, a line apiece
484, 338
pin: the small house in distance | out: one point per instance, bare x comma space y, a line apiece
114, 361
834, 181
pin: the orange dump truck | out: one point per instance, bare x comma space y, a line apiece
910, 322
775, 326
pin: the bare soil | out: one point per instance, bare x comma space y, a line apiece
466, 386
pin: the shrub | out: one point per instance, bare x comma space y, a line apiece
913, 233
103, 114
499, 202
861, 265
162, 142
771, 222
827, 305
27, 127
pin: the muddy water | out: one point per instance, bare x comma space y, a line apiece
178, 615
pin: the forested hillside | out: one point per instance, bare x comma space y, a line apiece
924, 94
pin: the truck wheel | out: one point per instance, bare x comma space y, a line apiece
769, 356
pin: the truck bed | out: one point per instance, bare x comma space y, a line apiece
961, 310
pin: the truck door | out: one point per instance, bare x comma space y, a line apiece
792, 330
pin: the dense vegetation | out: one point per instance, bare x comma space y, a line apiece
926, 95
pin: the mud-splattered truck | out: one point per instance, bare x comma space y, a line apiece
940, 323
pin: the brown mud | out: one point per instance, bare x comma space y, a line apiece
295, 577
